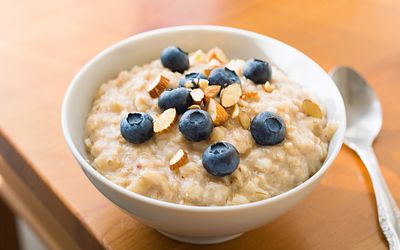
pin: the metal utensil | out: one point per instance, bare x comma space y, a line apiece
364, 121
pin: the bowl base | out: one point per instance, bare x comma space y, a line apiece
200, 240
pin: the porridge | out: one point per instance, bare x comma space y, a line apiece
200, 129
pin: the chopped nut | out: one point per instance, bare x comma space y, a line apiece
211, 92
231, 95
268, 87
244, 120
165, 121
237, 66
203, 84
189, 84
311, 108
194, 106
217, 113
251, 95
197, 56
197, 95
218, 54
178, 160
214, 63
158, 86
235, 111
243, 103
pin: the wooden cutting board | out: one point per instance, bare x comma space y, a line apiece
44, 43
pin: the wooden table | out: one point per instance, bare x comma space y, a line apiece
44, 43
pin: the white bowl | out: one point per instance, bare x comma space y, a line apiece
186, 223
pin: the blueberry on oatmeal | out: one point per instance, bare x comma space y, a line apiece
175, 59
178, 98
137, 127
221, 159
196, 125
268, 128
258, 71
223, 77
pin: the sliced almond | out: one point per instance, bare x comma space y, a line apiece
165, 121
203, 84
231, 95
197, 95
235, 111
218, 54
311, 108
178, 160
268, 87
250, 95
217, 112
158, 86
244, 120
194, 106
214, 63
211, 92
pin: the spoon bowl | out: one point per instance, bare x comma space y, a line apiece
363, 109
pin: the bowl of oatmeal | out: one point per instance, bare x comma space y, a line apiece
203, 139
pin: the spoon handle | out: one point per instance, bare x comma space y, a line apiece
388, 212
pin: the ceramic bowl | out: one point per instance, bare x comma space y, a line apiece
194, 224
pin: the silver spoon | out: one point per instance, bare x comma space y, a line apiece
364, 121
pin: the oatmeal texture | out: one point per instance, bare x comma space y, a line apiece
263, 172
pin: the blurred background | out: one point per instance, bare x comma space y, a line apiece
43, 43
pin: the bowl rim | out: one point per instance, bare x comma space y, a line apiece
89, 169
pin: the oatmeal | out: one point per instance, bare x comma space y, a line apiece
170, 161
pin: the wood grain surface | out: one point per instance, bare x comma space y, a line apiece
44, 43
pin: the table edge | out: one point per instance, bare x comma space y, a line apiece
85, 238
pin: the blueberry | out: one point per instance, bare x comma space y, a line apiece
223, 77
221, 159
196, 125
178, 98
268, 128
175, 59
137, 127
258, 71
191, 77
